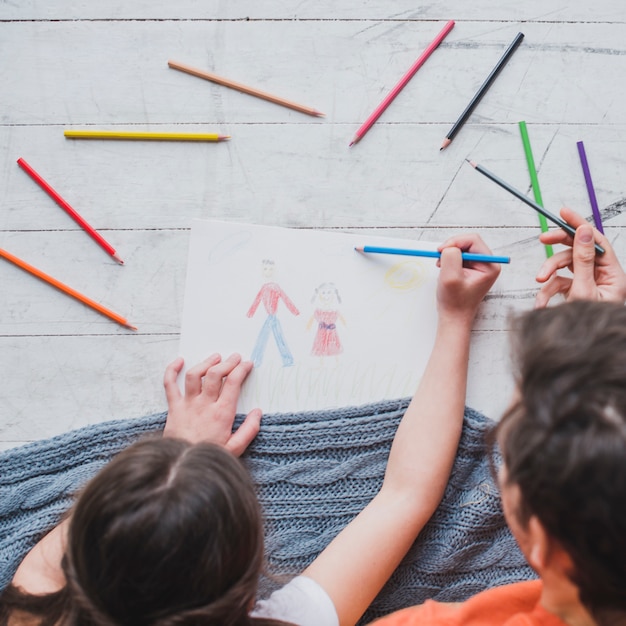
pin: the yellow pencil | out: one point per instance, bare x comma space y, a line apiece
65, 289
129, 134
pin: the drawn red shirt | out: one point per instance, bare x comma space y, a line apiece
270, 294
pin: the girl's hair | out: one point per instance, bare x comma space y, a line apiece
564, 441
329, 287
167, 534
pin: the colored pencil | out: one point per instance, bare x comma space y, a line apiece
65, 289
534, 181
518, 194
127, 134
226, 82
590, 190
97, 237
482, 90
434, 254
369, 122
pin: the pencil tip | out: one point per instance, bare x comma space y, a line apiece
358, 248
446, 143
223, 137
118, 259
131, 326
355, 140
319, 114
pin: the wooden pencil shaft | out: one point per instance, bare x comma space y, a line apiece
64, 288
550, 216
369, 122
590, 189
226, 82
154, 136
534, 180
94, 234
485, 86
435, 254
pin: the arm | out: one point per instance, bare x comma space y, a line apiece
595, 277
255, 304
205, 412
288, 303
358, 562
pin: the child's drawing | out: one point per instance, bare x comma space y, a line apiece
271, 294
326, 300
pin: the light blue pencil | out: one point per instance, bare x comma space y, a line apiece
435, 254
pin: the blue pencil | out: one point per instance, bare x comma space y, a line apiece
435, 254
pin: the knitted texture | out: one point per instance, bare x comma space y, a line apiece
314, 472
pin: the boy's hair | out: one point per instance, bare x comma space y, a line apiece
564, 440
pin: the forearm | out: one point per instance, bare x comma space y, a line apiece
425, 445
355, 566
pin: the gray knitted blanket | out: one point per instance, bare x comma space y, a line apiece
314, 471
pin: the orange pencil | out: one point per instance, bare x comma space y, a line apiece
65, 289
251, 91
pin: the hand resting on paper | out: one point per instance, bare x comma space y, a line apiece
205, 412
595, 277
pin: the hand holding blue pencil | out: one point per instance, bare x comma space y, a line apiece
434, 254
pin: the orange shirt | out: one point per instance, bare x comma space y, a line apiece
509, 605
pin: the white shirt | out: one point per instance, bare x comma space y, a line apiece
302, 602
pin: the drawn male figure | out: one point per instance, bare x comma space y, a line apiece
270, 294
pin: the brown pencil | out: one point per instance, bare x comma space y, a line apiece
65, 289
226, 82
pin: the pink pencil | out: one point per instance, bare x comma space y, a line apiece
403, 81
95, 235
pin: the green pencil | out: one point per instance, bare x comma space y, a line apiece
534, 180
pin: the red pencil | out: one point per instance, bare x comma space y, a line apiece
68, 209
403, 81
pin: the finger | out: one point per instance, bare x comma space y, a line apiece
194, 375
572, 218
172, 392
244, 435
584, 264
467, 242
214, 377
559, 284
556, 262
231, 388
556, 236
451, 264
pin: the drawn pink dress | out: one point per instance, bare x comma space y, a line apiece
326, 341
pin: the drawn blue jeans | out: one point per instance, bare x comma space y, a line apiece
271, 323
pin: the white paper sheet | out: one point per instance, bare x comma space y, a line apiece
347, 329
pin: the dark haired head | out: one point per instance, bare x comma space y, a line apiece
564, 440
166, 531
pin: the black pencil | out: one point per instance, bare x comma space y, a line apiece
549, 216
483, 90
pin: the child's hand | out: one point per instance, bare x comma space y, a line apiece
596, 276
206, 411
463, 285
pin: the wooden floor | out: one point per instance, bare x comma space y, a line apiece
103, 65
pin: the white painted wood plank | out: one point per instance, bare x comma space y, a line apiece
504, 10
63, 368
60, 383
306, 176
149, 289
93, 72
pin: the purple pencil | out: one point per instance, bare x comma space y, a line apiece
590, 190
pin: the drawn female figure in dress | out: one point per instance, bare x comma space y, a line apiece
326, 300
